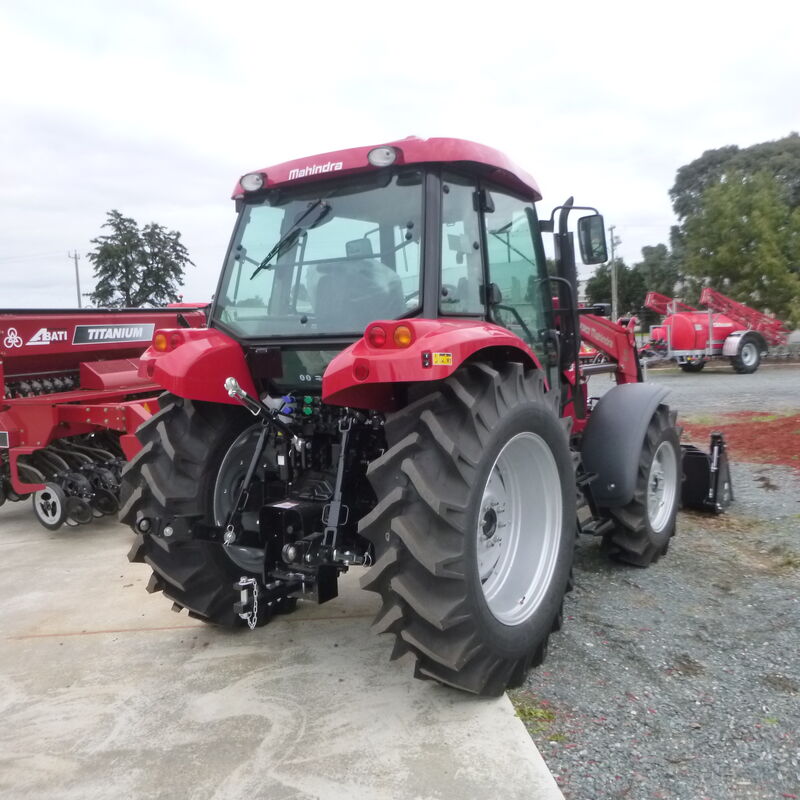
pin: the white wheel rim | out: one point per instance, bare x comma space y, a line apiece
519, 528
47, 505
662, 486
749, 354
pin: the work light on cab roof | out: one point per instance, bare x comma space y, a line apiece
253, 181
382, 156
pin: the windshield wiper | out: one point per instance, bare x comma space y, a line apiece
507, 242
293, 234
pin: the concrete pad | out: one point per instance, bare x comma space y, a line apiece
104, 692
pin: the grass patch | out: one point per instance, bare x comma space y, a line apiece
784, 557
536, 714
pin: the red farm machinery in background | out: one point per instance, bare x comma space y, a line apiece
726, 329
71, 401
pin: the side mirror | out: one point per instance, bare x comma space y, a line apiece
592, 239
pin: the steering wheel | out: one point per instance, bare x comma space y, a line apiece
449, 294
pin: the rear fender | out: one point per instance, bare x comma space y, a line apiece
733, 343
196, 364
613, 439
366, 376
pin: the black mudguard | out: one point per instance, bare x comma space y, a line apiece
613, 439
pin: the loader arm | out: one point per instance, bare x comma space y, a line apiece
614, 341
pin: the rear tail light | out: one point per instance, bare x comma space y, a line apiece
361, 369
376, 336
160, 342
403, 336
164, 341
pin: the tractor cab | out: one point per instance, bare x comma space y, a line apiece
410, 231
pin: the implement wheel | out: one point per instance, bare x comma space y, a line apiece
50, 506
748, 356
646, 525
693, 366
175, 477
474, 529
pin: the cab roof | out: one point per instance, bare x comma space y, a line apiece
492, 164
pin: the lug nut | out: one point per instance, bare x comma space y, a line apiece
143, 525
168, 531
289, 553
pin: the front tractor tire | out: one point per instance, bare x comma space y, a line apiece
645, 526
474, 528
173, 478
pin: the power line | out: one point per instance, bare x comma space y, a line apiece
75, 257
30, 257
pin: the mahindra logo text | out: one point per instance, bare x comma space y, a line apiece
315, 169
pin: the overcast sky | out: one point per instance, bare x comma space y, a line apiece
155, 108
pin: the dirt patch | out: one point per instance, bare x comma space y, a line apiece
751, 436
781, 683
684, 664
738, 544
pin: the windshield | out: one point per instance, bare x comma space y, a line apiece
324, 259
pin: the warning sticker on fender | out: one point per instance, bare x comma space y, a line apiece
442, 359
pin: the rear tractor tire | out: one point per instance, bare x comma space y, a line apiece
474, 528
174, 477
748, 355
645, 526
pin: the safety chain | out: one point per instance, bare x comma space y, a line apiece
251, 617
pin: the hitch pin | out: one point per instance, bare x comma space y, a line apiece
258, 409
234, 390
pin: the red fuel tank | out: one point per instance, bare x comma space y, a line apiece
689, 330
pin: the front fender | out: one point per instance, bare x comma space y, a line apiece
365, 376
613, 438
196, 365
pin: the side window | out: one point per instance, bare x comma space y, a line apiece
462, 270
514, 267
260, 230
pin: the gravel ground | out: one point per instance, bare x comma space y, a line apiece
682, 681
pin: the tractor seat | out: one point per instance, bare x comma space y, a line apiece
351, 294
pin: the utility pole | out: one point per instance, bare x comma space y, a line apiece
614, 295
74, 256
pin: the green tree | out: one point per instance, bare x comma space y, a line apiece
658, 269
780, 159
137, 267
630, 287
745, 241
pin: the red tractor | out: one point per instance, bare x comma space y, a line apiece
385, 384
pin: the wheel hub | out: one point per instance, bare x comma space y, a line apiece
489, 523
519, 528
232, 472
749, 353
48, 504
662, 487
